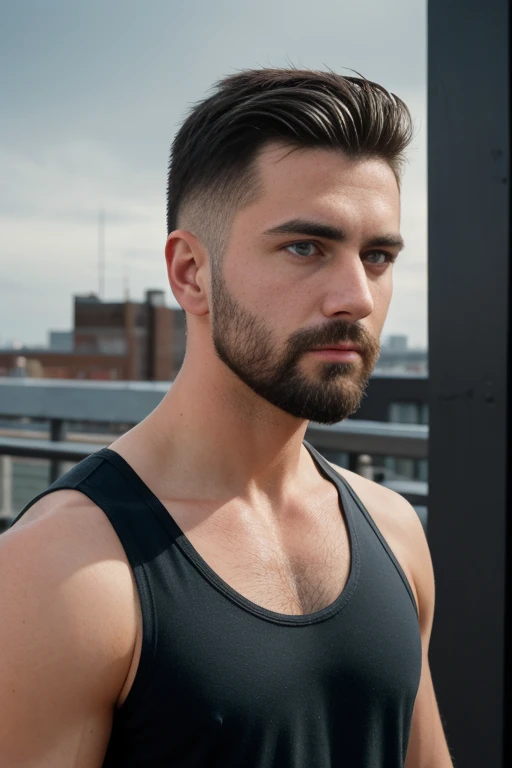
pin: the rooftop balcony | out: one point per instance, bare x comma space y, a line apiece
55, 423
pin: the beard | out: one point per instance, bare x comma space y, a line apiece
245, 344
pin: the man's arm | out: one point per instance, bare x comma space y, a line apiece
400, 525
427, 743
66, 635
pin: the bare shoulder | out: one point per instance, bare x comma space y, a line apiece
64, 551
62, 540
388, 508
68, 628
399, 524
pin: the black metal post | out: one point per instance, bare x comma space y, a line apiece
56, 435
353, 459
470, 481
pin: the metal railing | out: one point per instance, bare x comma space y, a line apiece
64, 403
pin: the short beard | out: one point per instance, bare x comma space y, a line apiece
244, 343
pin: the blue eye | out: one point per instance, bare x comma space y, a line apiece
303, 250
389, 258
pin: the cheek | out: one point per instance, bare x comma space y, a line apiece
263, 289
382, 300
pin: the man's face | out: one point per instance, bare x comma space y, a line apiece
278, 295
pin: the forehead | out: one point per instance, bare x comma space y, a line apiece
325, 182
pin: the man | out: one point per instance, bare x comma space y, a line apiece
210, 591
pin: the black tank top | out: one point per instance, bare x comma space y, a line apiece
223, 682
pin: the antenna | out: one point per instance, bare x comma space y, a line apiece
101, 253
126, 280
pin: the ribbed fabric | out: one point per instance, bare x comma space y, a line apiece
223, 682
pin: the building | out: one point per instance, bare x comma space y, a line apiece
397, 398
397, 343
60, 341
395, 357
111, 340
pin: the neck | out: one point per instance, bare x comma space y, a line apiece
211, 425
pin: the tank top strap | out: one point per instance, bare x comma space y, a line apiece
337, 478
107, 481
110, 483
68, 481
328, 469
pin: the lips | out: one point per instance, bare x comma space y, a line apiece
340, 348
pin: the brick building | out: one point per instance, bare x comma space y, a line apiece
111, 340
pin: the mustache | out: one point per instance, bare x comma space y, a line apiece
337, 332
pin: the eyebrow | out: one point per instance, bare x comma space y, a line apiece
329, 232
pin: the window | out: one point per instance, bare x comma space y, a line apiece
405, 413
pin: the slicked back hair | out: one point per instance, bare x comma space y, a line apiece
212, 164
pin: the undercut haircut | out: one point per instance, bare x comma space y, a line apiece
212, 171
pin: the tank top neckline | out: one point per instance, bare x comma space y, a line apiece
181, 540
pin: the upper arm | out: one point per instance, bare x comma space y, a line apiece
63, 645
402, 528
427, 743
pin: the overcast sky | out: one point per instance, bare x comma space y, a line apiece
92, 94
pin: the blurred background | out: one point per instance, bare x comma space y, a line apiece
93, 94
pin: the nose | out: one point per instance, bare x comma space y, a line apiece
348, 291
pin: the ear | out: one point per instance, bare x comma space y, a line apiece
187, 268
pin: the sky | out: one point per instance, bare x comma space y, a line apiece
92, 94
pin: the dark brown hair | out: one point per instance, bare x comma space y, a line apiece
211, 169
